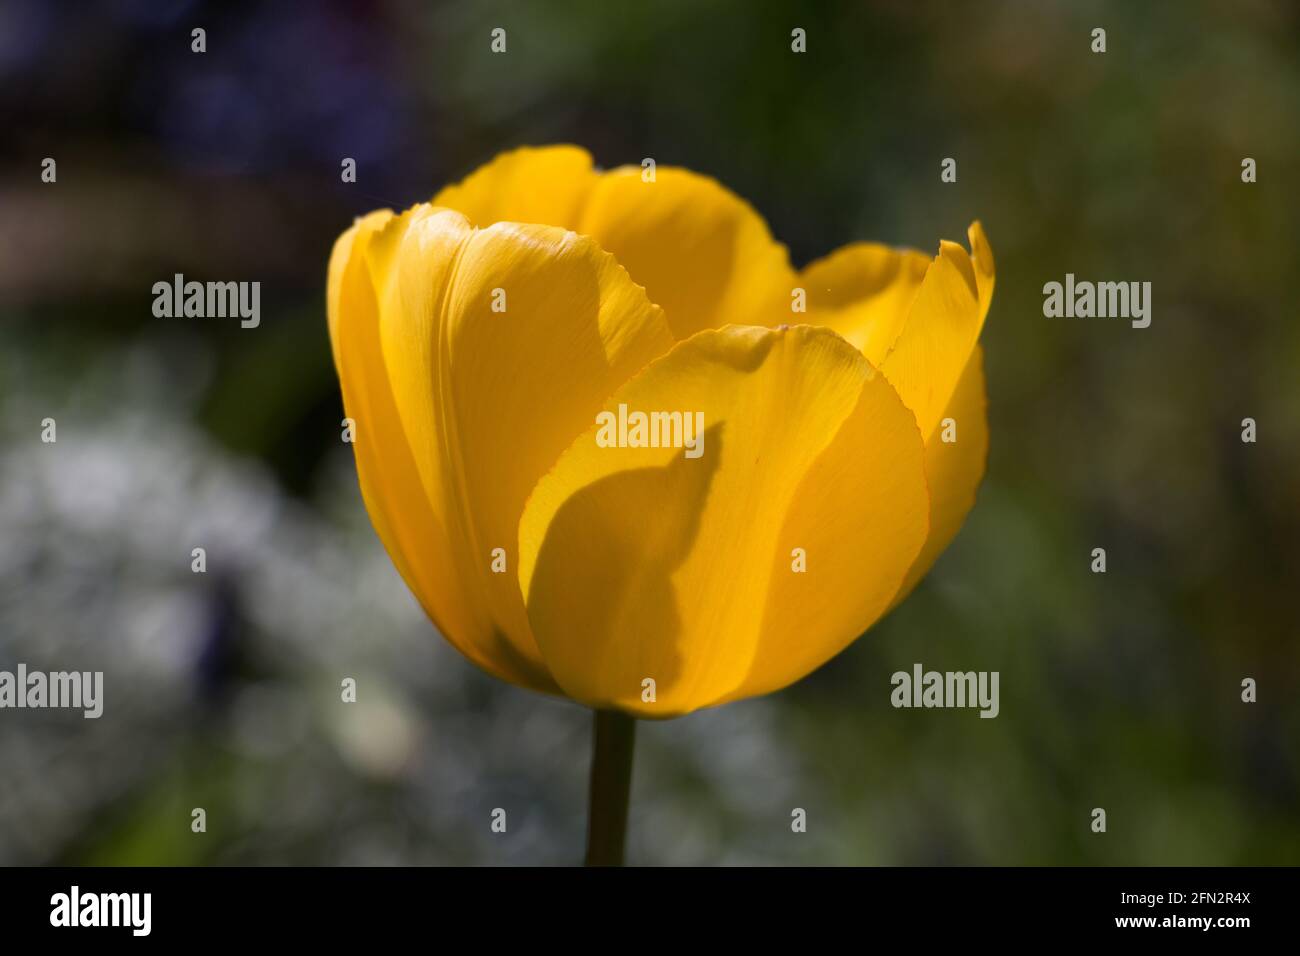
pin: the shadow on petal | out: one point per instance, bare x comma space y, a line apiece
607, 564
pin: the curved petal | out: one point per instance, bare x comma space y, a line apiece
642, 562
391, 486
483, 401
542, 184
864, 291
982, 261
701, 252
917, 319
954, 469
942, 327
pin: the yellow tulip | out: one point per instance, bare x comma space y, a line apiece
480, 337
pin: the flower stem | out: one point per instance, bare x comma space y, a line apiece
611, 782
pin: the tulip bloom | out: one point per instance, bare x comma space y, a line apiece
622, 451
480, 337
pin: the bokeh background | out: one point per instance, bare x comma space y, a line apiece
1119, 690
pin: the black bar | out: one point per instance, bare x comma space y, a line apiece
483, 907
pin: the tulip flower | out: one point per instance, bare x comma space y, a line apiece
527, 360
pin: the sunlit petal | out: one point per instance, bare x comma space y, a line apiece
644, 563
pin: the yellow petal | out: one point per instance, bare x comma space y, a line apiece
340, 258
915, 318
954, 469
936, 341
642, 563
390, 481
982, 260
484, 401
460, 409
864, 291
701, 251
546, 184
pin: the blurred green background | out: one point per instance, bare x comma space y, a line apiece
1119, 690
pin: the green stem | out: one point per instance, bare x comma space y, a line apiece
611, 783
